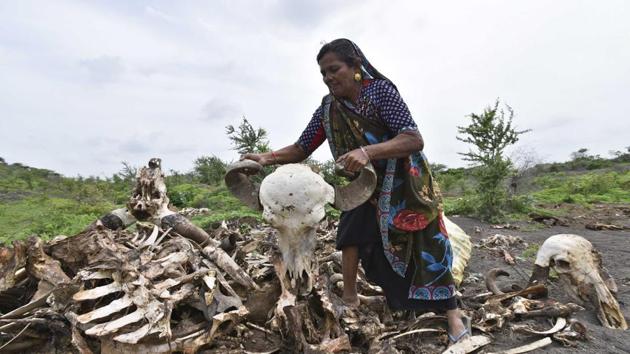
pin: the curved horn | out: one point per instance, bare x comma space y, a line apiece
491, 279
358, 191
237, 181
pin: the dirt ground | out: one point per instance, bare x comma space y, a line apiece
615, 248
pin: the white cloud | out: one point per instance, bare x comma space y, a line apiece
86, 85
103, 69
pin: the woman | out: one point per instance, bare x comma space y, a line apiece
399, 234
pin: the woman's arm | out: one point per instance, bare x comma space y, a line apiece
289, 154
401, 145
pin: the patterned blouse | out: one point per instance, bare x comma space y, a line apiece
378, 98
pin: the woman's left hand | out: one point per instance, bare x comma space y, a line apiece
353, 161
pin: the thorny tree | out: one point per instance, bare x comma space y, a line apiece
490, 133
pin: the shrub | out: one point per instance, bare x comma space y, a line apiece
209, 169
490, 133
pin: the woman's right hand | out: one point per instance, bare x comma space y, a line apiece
262, 159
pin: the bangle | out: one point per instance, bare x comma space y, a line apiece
275, 157
366, 153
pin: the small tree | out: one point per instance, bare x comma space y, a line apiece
209, 169
246, 139
490, 133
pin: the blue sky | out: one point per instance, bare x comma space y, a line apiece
86, 85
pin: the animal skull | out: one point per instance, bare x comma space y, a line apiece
579, 265
149, 200
293, 199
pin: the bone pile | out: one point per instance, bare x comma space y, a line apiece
104, 290
182, 302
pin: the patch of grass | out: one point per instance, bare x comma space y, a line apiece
588, 188
47, 217
531, 251
222, 205
465, 205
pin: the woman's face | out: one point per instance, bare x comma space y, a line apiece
338, 76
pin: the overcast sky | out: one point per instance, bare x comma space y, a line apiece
86, 85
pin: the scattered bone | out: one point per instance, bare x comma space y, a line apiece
560, 324
499, 241
505, 226
190, 212
415, 331
548, 219
572, 333
528, 347
554, 310
508, 258
468, 345
599, 226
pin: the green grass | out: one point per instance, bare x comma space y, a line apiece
222, 205
588, 188
531, 251
553, 188
47, 217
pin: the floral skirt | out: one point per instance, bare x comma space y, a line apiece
359, 227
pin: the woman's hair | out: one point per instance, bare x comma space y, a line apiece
344, 49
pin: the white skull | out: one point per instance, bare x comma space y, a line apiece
294, 200
575, 260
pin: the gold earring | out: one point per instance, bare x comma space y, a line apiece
357, 77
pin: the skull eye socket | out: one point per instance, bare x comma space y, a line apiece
561, 264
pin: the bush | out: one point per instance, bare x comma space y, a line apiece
184, 194
209, 169
452, 181
466, 205
490, 133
